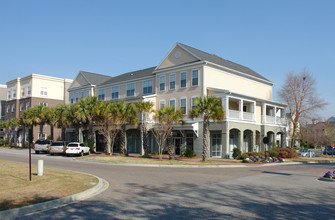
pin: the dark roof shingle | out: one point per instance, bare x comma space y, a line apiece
94, 78
130, 76
222, 62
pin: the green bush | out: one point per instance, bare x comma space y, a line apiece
188, 153
236, 153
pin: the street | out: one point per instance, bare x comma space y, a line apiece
252, 192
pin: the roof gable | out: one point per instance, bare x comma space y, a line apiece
88, 79
177, 56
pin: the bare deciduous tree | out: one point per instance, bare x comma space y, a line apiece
299, 93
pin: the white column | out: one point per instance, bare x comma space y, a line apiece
240, 109
264, 113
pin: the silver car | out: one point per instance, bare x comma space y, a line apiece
57, 147
42, 146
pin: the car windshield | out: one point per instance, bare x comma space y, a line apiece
72, 145
57, 144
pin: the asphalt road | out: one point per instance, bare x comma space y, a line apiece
253, 192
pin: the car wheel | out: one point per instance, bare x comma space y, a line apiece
37, 152
82, 153
67, 155
51, 154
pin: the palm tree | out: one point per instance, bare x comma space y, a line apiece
144, 108
61, 122
126, 115
209, 108
108, 124
87, 111
39, 113
166, 117
72, 119
51, 118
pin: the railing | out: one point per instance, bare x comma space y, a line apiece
270, 119
249, 116
280, 121
233, 114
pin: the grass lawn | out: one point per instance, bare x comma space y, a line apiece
16, 190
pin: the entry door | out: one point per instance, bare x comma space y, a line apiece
177, 145
216, 144
231, 145
131, 143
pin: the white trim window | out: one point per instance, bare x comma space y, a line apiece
8, 108
21, 106
172, 103
43, 91
195, 77
13, 108
14, 93
22, 92
115, 92
162, 83
192, 102
101, 94
147, 87
71, 98
77, 96
161, 104
27, 105
88, 92
45, 104
172, 81
9, 95
28, 90
131, 90
183, 104
82, 94
183, 78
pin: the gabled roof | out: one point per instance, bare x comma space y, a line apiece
94, 78
203, 56
130, 76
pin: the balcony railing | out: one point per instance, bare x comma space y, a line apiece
270, 119
281, 121
249, 116
233, 114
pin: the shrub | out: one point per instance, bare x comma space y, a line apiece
236, 153
188, 153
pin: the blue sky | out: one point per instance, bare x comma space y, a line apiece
60, 38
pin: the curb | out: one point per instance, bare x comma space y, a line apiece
17, 212
205, 166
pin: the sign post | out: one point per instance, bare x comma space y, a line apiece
265, 141
332, 146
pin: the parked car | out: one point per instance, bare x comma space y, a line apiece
57, 147
76, 148
329, 151
306, 153
42, 146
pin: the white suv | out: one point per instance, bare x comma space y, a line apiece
76, 148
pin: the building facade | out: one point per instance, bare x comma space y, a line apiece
30, 91
184, 74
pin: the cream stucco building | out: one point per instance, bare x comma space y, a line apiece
184, 74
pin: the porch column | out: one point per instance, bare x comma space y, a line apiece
240, 140
226, 107
264, 113
275, 108
254, 111
253, 140
240, 109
